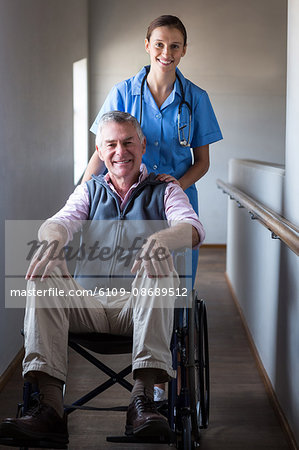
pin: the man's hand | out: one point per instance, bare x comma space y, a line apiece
155, 258
155, 254
50, 254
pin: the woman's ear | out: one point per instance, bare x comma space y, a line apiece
184, 50
146, 45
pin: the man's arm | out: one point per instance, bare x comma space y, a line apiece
185, 231
56, 232
181, 235
178, 209
53, 238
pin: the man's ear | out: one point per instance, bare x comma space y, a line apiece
98, 150
144, 145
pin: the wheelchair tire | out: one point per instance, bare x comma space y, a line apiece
198, 361
186, 433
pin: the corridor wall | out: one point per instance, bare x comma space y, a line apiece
39, 41
236, 51
264, 273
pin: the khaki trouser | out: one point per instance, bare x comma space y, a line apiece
49, 318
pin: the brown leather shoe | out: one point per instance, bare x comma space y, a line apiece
143, 419
41, 423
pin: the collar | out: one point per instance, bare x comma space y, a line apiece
177, 88
142, 176
137, 80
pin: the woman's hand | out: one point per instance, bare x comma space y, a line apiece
167, 178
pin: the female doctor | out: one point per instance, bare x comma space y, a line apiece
176, 116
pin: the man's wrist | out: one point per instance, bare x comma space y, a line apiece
53, 231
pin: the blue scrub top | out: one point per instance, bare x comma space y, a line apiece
164, 154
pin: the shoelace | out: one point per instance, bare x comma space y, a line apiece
36, 407
145, 404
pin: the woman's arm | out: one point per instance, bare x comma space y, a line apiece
95, 166
198, 169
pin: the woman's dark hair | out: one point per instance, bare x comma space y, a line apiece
167, 21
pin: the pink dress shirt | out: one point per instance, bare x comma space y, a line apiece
176, 203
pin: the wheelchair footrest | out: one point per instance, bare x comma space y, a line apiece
142, 440
33, 443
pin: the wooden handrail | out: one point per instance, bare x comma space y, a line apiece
279, 226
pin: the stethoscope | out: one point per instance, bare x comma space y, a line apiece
181, 136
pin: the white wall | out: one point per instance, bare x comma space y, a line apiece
236, 51
264, 275
253, 258
287, 369
292, 129
39, 41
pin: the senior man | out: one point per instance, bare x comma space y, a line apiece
125, 192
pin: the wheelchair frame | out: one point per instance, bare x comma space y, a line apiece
189, 396
187, 407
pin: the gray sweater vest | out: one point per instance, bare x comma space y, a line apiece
112, 237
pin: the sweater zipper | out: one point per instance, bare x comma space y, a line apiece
121, 217
116, 241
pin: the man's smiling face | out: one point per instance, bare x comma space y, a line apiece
121, 150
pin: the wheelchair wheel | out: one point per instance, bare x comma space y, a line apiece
198, 372
186, 433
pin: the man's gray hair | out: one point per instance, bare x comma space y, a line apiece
118, 117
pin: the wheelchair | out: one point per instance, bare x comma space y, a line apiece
187, 406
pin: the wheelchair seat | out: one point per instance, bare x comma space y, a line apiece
103, 343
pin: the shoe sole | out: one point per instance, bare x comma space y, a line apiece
12, 442
10, 431
150, 428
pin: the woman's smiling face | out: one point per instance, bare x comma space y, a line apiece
166, 48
